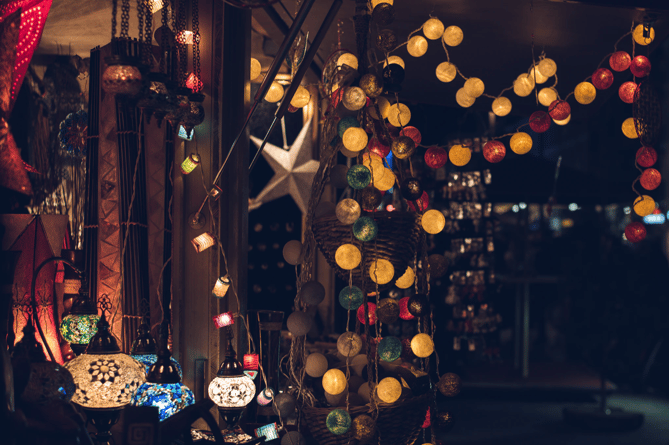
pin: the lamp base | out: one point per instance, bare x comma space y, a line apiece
103, 420
612, 419
78, 349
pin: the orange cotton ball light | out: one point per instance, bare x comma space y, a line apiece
520, 143
585, 93
640, 38
559, 110
602, 78
640, 66
629, 128
646, 156
620, 61
459, 155
627, 91
650, 179
494, 151
644, 205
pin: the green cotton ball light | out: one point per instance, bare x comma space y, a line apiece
390, 349
365, 229
358, 177
345, 123
350, 298
338, 422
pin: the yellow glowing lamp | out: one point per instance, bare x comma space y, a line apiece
433, 221
547, 67
523, 85
381, 271
537, 76
348, 256
354, 139
463, 99
399, 115
377, 2
334, 381
407, 280
256, 68
453, 35
301, 98
547, 96
638, 37
564, 121
375, 165
459, 155
389, 390
394, 59
585, 93
417, 46
474, 87
349, 60
422, 345
433, 28
629, 129
386, 182
203, 242
520, 143
501, 106
446, 72
190, 163
644, 205
221, 287
275, 92
384, 108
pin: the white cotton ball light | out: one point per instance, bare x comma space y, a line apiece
433, 28
417, 46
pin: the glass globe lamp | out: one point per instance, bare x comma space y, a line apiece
80, 325
231, 389
144, 349
121, 77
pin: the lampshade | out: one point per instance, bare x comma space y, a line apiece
80, 325
231, 389
121, 77
145, 350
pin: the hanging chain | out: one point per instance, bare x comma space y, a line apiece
125, 18
164, 42
196, 47
140, 19
182, 49
148, 34
114, 8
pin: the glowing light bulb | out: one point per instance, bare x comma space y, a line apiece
463, 99
501, 106
275, 92
537, 76
547, 67
433, 28
585, 93
520, 143
523, 85
381, 271
459, 155
474, 87
301, 98
453, 35
446, 72
348, 257
355, 139
433, 221
417, 46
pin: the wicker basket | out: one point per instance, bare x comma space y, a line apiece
396, 241
397, 423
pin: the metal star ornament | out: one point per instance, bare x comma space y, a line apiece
294, 170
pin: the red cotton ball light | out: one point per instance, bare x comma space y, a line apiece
413, 133
559, 110
626, 92
423, 203
602, 78
436, 157
646, 157
494, 151
640, 66
375, 146
404, 309
650, 179
635, 232
620, 61
371, 313
540, 121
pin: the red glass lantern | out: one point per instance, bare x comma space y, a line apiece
646, 156
194, 83
626, 92
640, 66
494, 151
635, 232
413, 133
404, 309
559, 109
251, 361
423, 202
371, 309
540, 121
224, 319
602, 78
377, 147
650, 179
436, 157
620, 61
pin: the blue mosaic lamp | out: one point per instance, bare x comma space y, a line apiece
144, 349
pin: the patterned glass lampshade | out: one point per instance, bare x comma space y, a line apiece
79, 329
231, 389
149, 359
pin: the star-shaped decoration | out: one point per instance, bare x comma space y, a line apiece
294, 170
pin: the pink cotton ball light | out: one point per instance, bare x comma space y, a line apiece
626, 92
640, 66
646, 157
620, 61
494, 151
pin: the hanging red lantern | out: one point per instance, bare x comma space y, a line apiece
620, 61
436, 157
559, 110
540, 121
650, 179
646, 156
494, 151
640, 66
626, 92
635, 232
602, 78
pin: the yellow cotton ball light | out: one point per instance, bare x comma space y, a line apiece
407, 280
547, 67
446, 72
348, 59
375, 165
334, 381
520, 143
564, 121
638, 37
417, 46
301, 98
463, 99
355, 139
474, 87
389, 390
256, 68
381, 271
275, 92
547, 96
629, 129
453, 35
348, 256
459, 155
537, 76
377, 2
501, 106
399, 115
433, 28
644, 205
585, 93
433, 221
422, 345
523, 85
384, 108
394, 59
386, 182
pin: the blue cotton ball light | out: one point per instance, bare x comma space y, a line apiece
338, 422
